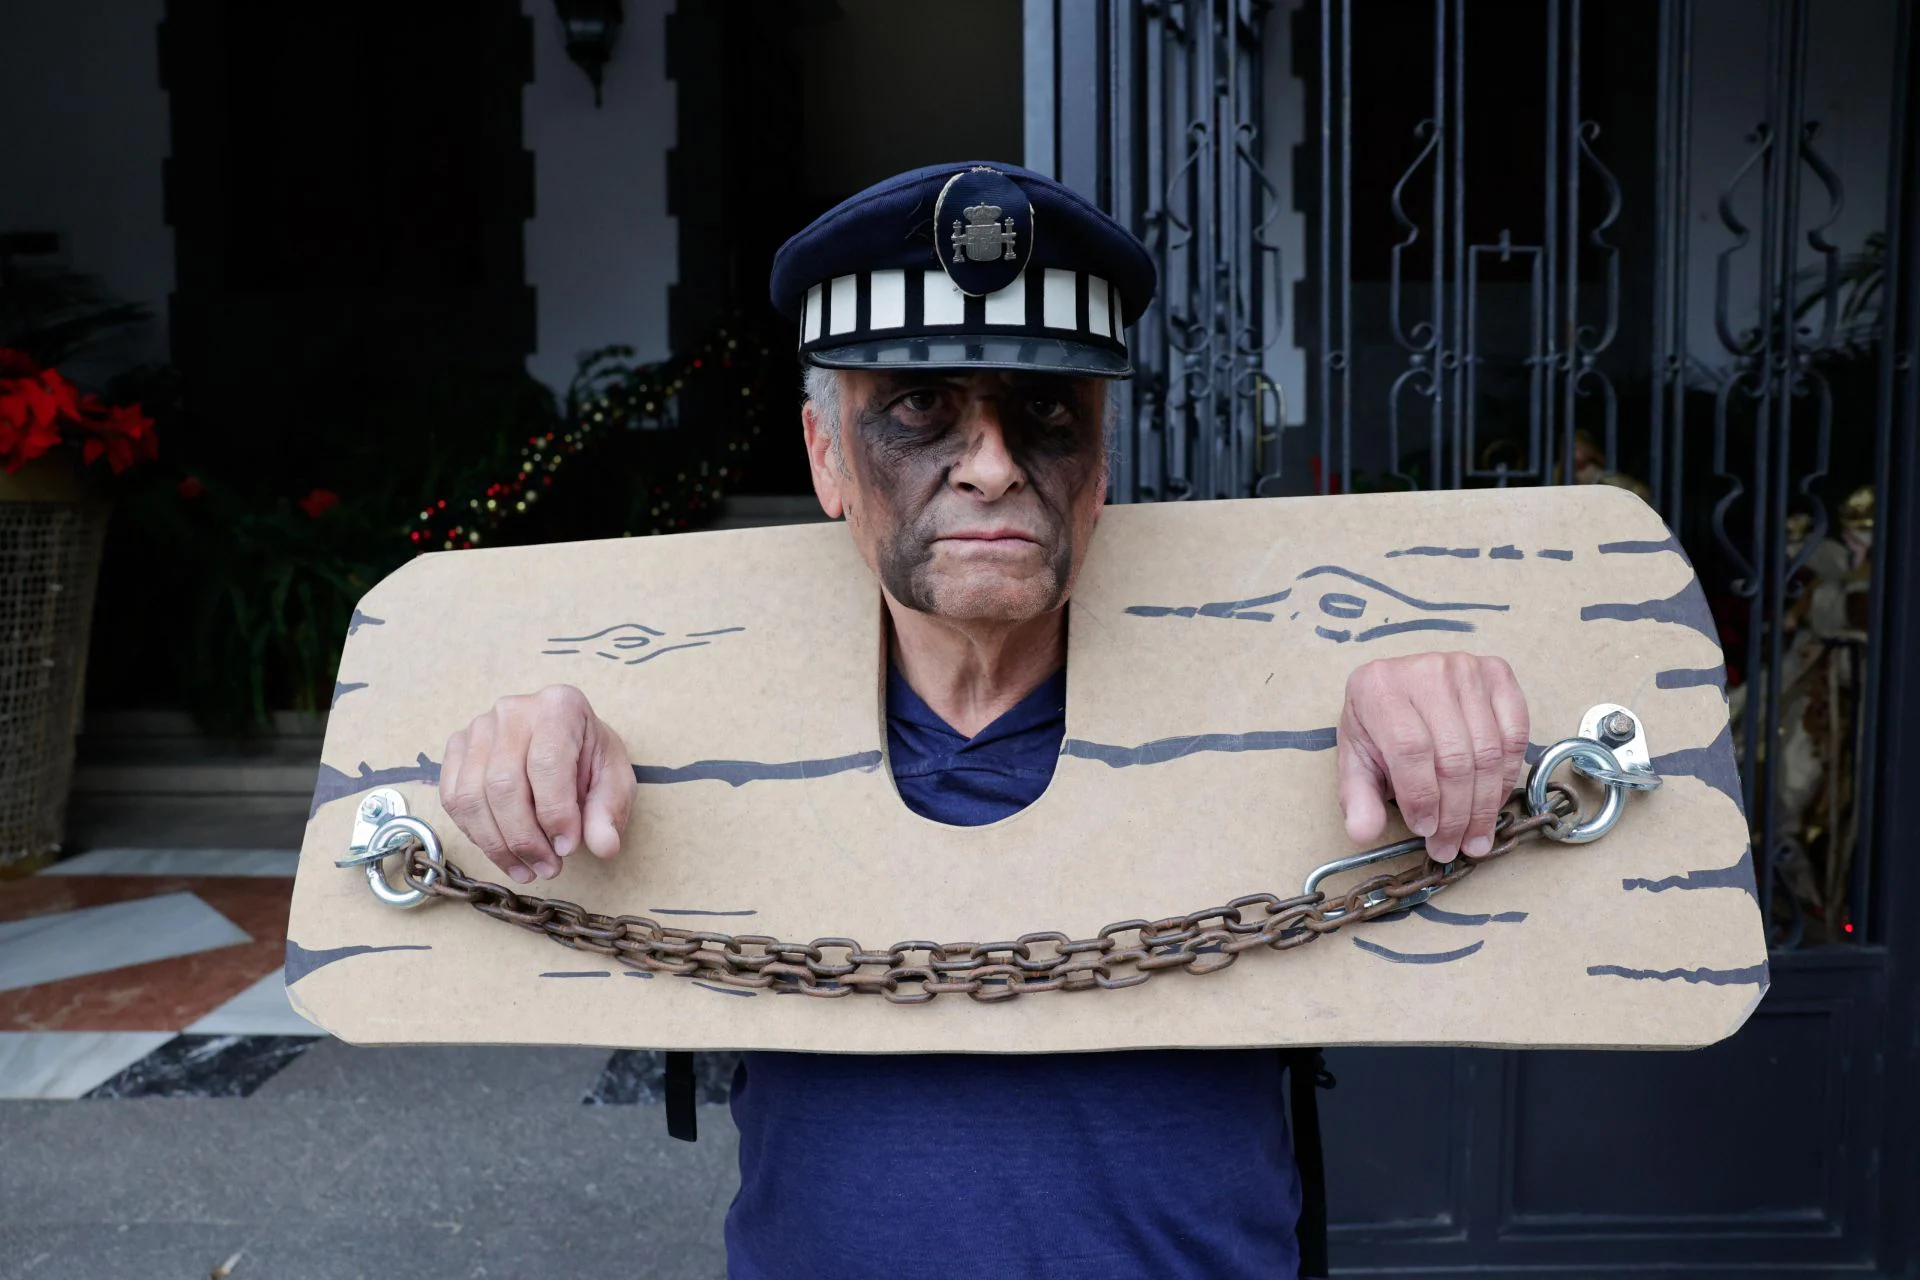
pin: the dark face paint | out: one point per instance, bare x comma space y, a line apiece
910, 435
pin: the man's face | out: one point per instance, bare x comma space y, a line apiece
971, 495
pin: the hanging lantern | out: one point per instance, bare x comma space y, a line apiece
590, 28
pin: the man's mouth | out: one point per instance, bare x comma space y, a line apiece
985, 539
989, 536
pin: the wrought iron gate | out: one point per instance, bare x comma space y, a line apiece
1666, 244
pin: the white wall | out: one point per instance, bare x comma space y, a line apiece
601, 249
83, 131
1282, 133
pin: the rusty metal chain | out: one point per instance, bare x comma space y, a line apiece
1123, 954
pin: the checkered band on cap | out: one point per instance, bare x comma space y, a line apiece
909, 303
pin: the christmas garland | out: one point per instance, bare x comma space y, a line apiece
610, 394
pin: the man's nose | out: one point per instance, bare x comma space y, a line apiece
987, 470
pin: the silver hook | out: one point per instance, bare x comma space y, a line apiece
380, 829
1416, 844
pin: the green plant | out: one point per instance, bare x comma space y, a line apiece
53, 315
255, 584
1858, 289
271, 588
230, 577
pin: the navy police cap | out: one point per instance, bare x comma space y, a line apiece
972, 264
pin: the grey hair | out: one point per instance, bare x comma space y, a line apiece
821, 388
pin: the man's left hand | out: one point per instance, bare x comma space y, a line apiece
1444, 735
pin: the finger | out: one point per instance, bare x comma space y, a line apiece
509, 798
554, 750
1510, 709
610, 794
450, 760
467, 803
1489, 762
1451, 758
1362, 784
1404, 740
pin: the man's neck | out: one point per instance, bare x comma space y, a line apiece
972, 673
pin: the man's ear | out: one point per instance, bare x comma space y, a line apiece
1106, 453
827, 479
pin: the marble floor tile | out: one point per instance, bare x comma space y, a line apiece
261, 1010
204, 1067
66, 1064
163, 995
94, 939
178, 862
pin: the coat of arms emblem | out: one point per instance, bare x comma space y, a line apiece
984, 236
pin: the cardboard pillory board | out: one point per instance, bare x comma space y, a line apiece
1208, 650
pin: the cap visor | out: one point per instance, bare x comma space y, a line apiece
1041, 355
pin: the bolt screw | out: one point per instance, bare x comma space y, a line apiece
1617, 728
373, 809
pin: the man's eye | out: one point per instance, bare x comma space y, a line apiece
920, 401
1047, 409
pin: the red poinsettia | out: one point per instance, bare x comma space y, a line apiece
319, 502
34, 405
39, 410
120, 433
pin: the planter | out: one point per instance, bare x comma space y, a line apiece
52, 527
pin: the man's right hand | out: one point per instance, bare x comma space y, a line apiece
527, 780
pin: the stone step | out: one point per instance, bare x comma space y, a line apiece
154, 779
211, 776
175, 735
166, 753
191, 821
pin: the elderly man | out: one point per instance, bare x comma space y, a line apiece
960, 325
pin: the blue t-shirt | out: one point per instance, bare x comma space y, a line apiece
1164, 1163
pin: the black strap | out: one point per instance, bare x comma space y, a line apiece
680, 1088
1307, 1074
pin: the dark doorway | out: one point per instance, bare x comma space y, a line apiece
346, 189
785, 109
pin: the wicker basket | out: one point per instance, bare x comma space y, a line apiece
51, 533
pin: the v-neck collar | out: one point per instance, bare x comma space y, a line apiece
1046, 705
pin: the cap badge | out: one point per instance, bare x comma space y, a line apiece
987, 246
983, 236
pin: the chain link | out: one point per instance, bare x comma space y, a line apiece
1124, 954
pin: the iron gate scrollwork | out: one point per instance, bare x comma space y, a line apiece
1571, 324
1207, 414
1668, 245
1529, 258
